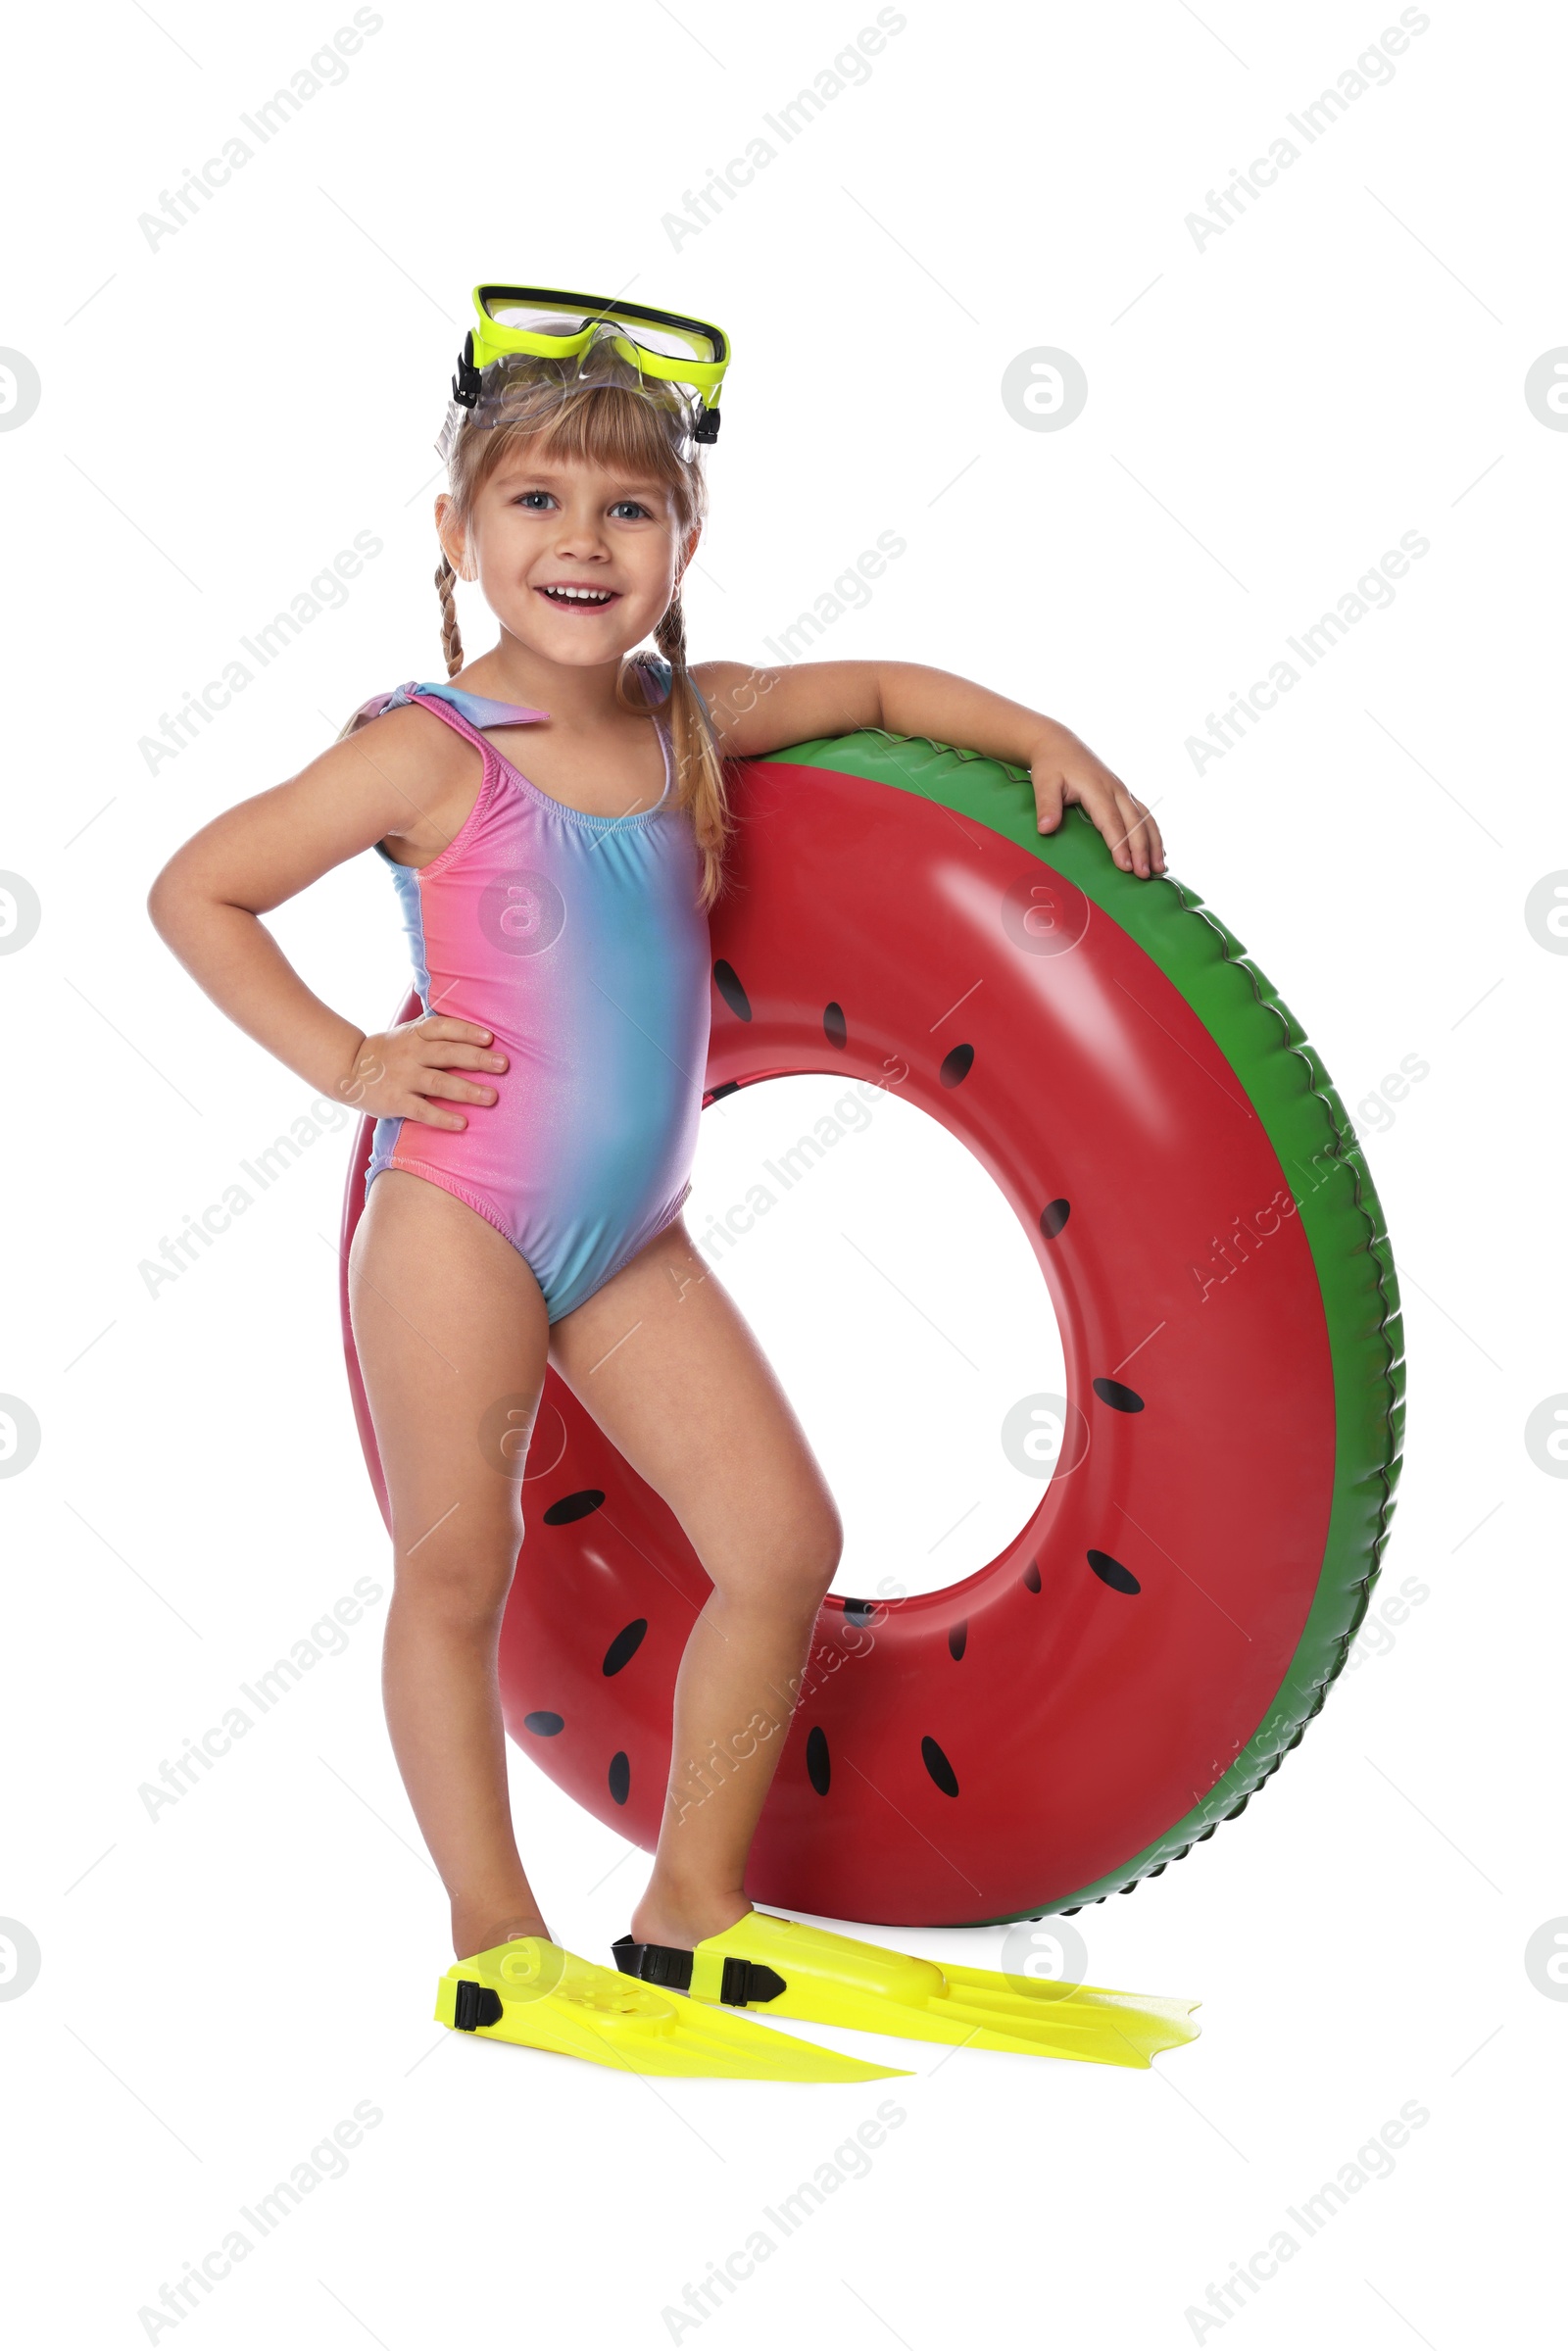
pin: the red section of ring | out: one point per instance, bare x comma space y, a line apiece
982, 1751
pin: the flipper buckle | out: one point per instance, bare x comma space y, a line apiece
747, 1979
476, 2004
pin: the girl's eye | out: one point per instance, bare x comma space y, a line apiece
632, 507
526, 498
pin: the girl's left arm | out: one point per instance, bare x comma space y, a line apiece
757, 711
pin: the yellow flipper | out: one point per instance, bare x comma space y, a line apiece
544, 1997
780, 1967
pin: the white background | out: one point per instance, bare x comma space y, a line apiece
220, 413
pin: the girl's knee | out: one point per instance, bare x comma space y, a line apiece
793, 1573
459, 1574
464, 1599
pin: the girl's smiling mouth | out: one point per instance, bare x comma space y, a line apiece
577, 595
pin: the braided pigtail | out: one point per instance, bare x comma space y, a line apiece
700, 784
450, 634
670, 635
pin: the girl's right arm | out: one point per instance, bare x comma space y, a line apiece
208, 901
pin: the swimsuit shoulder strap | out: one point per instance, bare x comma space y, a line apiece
664, 677
465, 713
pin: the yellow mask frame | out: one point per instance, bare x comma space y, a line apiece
663, 344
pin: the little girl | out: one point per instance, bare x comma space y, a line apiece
554, 822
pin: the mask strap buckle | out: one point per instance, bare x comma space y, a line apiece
465, 382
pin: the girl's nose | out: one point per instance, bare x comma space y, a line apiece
579, 535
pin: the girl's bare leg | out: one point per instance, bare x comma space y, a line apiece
452, 1335
668, 1367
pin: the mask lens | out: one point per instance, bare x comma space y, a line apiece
533, 320
670, 342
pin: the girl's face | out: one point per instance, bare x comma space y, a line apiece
543, 527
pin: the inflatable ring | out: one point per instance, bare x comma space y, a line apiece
1142, 1657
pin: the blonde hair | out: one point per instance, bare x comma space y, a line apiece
604, 416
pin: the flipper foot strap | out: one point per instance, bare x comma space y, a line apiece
665, 1963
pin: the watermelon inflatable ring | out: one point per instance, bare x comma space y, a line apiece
1142, 1657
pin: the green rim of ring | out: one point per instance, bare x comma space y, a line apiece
1305, 1121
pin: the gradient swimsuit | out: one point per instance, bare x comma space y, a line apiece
578, 941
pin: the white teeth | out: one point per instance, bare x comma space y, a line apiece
581, 595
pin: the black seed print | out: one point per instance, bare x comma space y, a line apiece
957, 1640
729, 987
937, 1764
1112, 1571
572, 1506
1031, 1575
1053, 1217
623, 1648
956, 1065
859, 1612
543, 1725
1118, 1398
818, 1762
620, 1777
835, 1028
732, 1086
